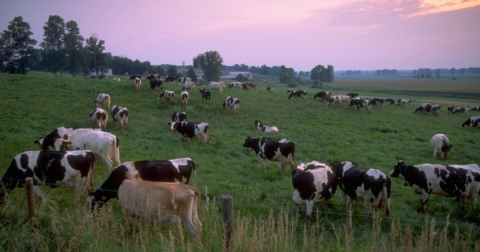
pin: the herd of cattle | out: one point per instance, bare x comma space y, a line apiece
135, 183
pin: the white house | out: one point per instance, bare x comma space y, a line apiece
233, 75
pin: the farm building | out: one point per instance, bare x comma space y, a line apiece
233, 75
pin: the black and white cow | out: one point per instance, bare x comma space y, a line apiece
451, 181
49, 140
477, 108
313, 183
156, 84
205, 94
53, 168
171, 79
120, 114
174, 170
298, 94
320, 94
265, 128
245, 86
352, 95
370, 186
271, 149
400, 101
377, 102
450, 109
359, 103
169, 96
440, 143
179, 117
252, 86
335, 99
188, 85
104, 144
99, 117
463, 110
232, 103
428, 107
473, 121
133, 77
102, 99
191, 130
184, 96
151, 77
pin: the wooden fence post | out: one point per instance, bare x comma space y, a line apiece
227, 216
30, 196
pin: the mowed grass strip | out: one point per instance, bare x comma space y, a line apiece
34, 105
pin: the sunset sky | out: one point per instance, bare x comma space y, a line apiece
356, 35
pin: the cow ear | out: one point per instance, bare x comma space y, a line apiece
401, 162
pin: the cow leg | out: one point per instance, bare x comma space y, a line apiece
463, 201
309, 205
344, 197
264, 163
368, 201
109, 162
423, 202
435, 152
282, 164
473, 198
38, 192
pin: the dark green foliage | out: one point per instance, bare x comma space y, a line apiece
210, 63
240, 77
172, 71
98, 57
191, 74
323, 74
53, 44
73, 42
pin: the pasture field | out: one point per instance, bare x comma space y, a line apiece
32, 106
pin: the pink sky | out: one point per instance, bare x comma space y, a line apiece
363, 34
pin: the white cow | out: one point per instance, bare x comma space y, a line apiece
184, 96
138, 83
189, 85
102, 99
440, 143
219, 86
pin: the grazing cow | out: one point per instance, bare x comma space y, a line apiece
363, 184
281, 151
245, 86
463, 110
327, 97
190, 130
472, 122
184, 79
352, 95
450, 109
360, 104
232, 103
151, 77
156, 84
377, 102
219, 86
179, 117
104, 144
313, 183
99, 117
265, 128
399, 101
133, 77
440, 143
184, 96
49, 139
188, 85
52, 168
477, 108
171, 79
235, 84
102, 99
205, 94
320, 94
298, 94
173, 202
174, 170
169, 96
428, 107
269, 89
345, 99
335, 99
138, 83
451, 181
252, 86
119, 114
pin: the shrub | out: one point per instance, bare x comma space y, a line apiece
240, 77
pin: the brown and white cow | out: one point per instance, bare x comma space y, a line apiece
102, 99
163, 202
219, 86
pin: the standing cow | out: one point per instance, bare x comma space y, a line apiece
233, 103
99, 117
271, 149
205, 94
120, 114
298, 94
184, 96
451, 181
320, 95
191, 130
138, 83
219, 86
156, 84
169, 96
428, 107
473, 121
102, 99
440, 143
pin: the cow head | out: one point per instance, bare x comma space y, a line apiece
399, 170
445, 148
61, 145
96, 199
247, 142
224, 105
173, 126
337, 167
42, 141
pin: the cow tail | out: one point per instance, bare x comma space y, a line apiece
292, 145
386, 189
116, 150
206, 133
194, 174
91, 170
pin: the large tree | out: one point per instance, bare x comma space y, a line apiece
287, 75
53, 43
210, 63
98, 61
191, 74
16, 46
73, 42
172, 71
161, 71
320, 73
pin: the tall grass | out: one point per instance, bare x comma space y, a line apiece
35, 104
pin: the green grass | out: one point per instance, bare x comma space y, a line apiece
33, 105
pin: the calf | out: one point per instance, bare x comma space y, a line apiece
313, 183
190, 130
265, 128
440, 143
102, 99
428, 107
232, 103
463, 110
138, 83
451, 181
335, 99
184, 96
320, 94
472, 122
179, 117
52, 168
120, 114
101, 143
360, 104
281, 151
174, 170
173, 202
205, 94
219, 86
363, 184
99, 117
169, 96
377, 102
450, 109
188, 85
156, 84
298, 94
